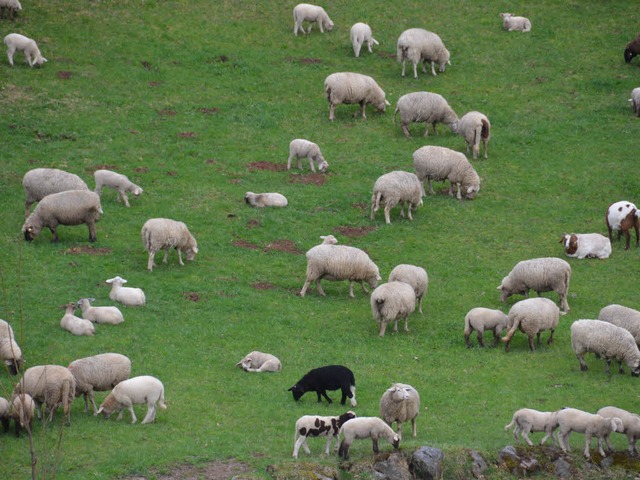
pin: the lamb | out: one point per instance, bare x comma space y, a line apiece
104, 315
318, 426
421, 46
163, 234
393, 188
511, 23
621, 217
72, 207
312, 14
528, 420
126, 295
366, 427
261, 200
10, 352
359, 34
415, 276
260, 362
533, 316
623, 317
391, 302
481, 319
49, 385
607, 341
630, 424
574, 420
16, 42
400, 403
441, 163
632, 49
586, 245
330, 377
426, 107
40, 182
76, 325
474, 127
546, 274
349, 87
136, 390
117, 181
22, 410
5, 413
10, 6
328, 239
97, 374
635, 101
339, 262
300, 148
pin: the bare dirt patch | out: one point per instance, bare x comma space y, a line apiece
64, 75
245, 244
211, 471
273, 167
209, 110
354, 232
310, 61
172, 173
146, 65
167, 112
187, 134
286, 246
191, 296
263, 286
316, 179
253, 223
141, 170
154, 84
87, 250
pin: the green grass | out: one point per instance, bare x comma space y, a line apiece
182, 96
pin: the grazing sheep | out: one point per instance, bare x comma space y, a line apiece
623, 317
528, 420
474, 127
481, 319
321, 379
441, 163
105, 315
163, 234
49, 385
533, 316
348, 88
592, 425
621, 217
312, 14
136, 390
319, 426
366, 427
632, 49
421, 46
10, 352
72, 207
261, 200
547, 274
97, 374
393, 188
400, 403
5, 413
630, 424
359, 34
300, 148
635, 101
117, 181
40, 182
339, 262
16, 42
415, 276
76, 325
586, 245
22, 410
260, 362
391, 302
607, 341
126, 295
426, 107
10, 6
511, 23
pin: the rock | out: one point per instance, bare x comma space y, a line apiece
392, 467
479, 465
427, 463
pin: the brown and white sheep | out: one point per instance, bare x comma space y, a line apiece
621, 217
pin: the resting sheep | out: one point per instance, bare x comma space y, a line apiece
586, 245
260, 362
105, 315
623, 317
474, 127
415, 276
22, 410
300, 148
117, 181
527, 420
126, 295
349, 88
366, 427
40, 182
331, 377
16, 42
635, 101
427, 107
481, 319
10, 6
511, 23
163, 234
421, 46
592, 425
621, 217
359, 34
393, 188
318, 426
76, 325
261, 200
136, 390
400, 403
312, 14
630, 424
533, 316
391, 302
10, 352
632, 49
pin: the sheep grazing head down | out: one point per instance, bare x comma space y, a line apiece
298, 390
109, 406
31, 230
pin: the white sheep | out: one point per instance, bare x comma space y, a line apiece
339, 262
261, 200
513, 23
421, 46
260, 362
10, 6
40, 182
415, 276
532, 316
126, 295
76, 325
318, 426
10, 352
136, 390
623, 317
393, 188
163, 234
300, 148
117, 181
390, 302
366, 427
630, 423
635, 101
527, 420
546, 274
328, 239
586, 245
98, 373
349, 88
621, 217
359, 34
312, 14
22, 410
591, 424
480, 319
106, 315
474, 127
400, 403
427, 107
441, 163
607, 341
16, 42
5, 413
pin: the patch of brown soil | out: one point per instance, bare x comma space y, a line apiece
362, 206
87, 250
154, 84
167, 112
317, 179
309, 61
245, 244
172, 173
263, 286
253, 223
274, 167
286, 246
354, 232
64, 75
146, 65
141, 170
211, 471
187, 134
191, 296
209, 111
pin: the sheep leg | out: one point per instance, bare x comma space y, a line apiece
415, 69
305, 287
550, 340
383, 328
637, 226
409, 211
328, 449
433, 69
10, 51
289, 160
531, 344
414, 431
300, 441
430, 187
166, 254
632, 444
583, 365
364, 287
608, 366
343, 451
406, 323
351, 289
627, 238
125, 198
313, 168
151, 413
150, 262
374, 441
120, 415
426, 130
563, 438
134, 419
526, 429
420, 305
93, 402
324, 394
587, 442
496, 338
480, 340
387, 209
620, 368
405, 130
363, 105
319, 288
395, 326
180, 257
54, 234
332, 109
91, 225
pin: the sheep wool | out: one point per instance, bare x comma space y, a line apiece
22, 410
312, 14
393, 188
126, 295
10, 6
533, 316
10, 352
361, 33
400, 403
366, 427
480, 319
475, 128
261, 200
635, 101
632, 49
391, 302
527, 420
441, 163
512, 23
40, 182
318, 426
330, 377
415, 276
621, 217
144, 389
427, 107
300, 148
592, 425
76, 325
5, 413
630, 424
117, 181
105, 315
349, 88
163, 234
421, 46
19, 43
260, 362
623, 317
586, 245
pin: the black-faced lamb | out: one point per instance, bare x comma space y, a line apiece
546, 274
19, 43
300, 148
11, 7
129, 296
421, 46
632, 49
106, 315
475, 128
321, 379
319, 426
164, 234
361, 33
427, 107
532, 316
117, 181
623, 317
144, 389
635, 101
591, 424
621, 217
391, 302
527, 420
304, 12
630, 424
261, 200
40, 182
5, 414
400, 403
22, 411
480, 319
586, 245
512, 23
366, 427
393, 188
10, 352
260, 362
415, 276
76, 325
349, 88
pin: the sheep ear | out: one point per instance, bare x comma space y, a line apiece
195, 250
92, 299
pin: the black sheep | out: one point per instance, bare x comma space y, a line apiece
331, 377
632, 49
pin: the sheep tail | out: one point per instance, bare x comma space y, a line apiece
467, 326
161, 403
508, 426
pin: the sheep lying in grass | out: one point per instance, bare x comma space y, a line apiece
330, 377
117, 181
304, 12
10, 352
441, 163
630, 423
261, 200
427, 107
318, 426
260, 362
400, 403
22, 410
474, 127
300, 148
511, 23
164, 234
586, 245
391, 302
350, 88
19, 43
532, 316
623, 317
366, 427
481, 319
40, 182
361, 33
137, 390
421, 46
126, 295
622, 217
527, 420
76, 325
105, 315
592, 425
415, 276
393, 188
